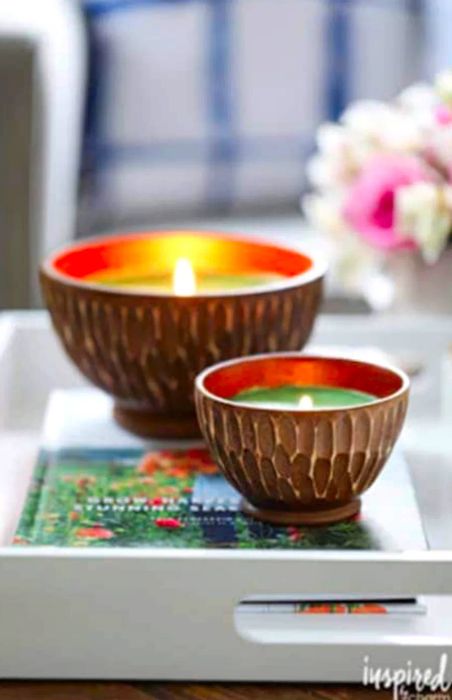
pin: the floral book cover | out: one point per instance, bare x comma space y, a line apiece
96, 486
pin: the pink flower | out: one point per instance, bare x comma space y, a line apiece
370, 205
443, 115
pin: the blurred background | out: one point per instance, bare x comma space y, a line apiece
120, 114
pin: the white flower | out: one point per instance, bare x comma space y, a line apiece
355, 263
324, 213
424, 212
443, 84
440, 143
387, 127
334, 167
320, 172
363, 117
332, 139
419, 96
326, 173
402, 133
420, 102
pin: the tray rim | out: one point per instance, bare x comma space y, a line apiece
251, 573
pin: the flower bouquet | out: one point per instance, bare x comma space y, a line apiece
382, 186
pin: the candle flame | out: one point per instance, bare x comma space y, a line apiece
305, 402
184, 279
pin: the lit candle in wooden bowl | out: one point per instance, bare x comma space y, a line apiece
142, 313
186, 278
301, 438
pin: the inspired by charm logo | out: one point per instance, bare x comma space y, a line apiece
410, 683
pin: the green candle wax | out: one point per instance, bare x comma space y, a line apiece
205, 282
303, 397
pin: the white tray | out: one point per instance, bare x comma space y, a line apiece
169, 614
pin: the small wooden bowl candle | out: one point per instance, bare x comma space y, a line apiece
301, 438
141, 314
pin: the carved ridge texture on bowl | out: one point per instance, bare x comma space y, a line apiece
283, 460
147, 350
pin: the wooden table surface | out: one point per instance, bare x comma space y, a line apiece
18, 690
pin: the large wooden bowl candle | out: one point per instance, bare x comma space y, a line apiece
301, 438
142, 314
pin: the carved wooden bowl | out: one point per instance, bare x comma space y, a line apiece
301, 466
145, 348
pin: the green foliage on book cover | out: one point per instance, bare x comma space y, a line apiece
105, 498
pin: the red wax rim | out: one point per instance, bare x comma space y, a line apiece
225, 380
157, 251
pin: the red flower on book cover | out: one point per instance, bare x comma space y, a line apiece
85, 481
294, 534
18, 539
181, 464
200, 454
179, 472
148, 464
170, 523
94, 533
156, 501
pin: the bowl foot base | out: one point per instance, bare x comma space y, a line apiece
299, 517
154, 425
